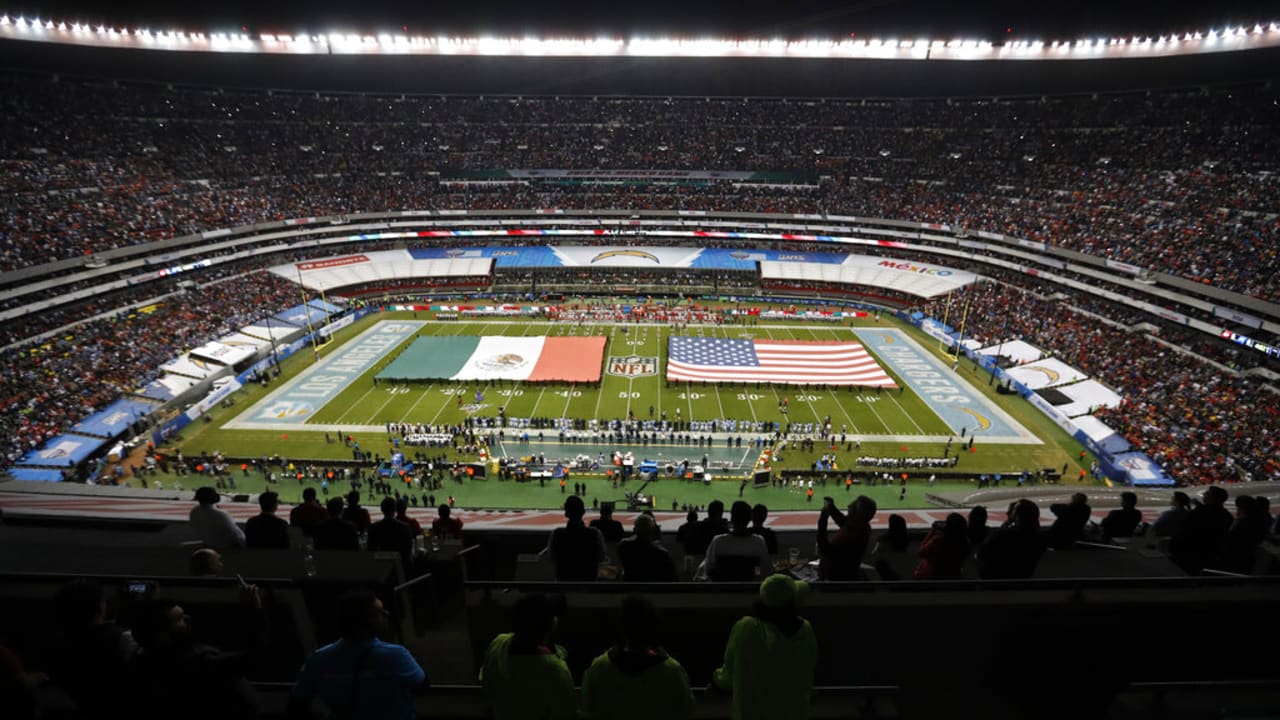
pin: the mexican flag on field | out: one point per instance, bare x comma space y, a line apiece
473, 357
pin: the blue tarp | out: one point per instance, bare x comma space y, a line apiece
543, 256
1142, 470
115, 419
328, 307
36, 475
298, 315
157, 390
63, 451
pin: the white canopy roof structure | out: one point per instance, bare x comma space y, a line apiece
913, 278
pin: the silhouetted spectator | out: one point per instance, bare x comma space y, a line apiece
266, 530
309, 514
738, 555
840, 557
978, 528
213, 525
1124, 522
759, 514
1200, 538
524, 673
172, 672
391, 535
1013, 551
889, 553
1240, 545
576, 550
611, 529
205, 562
360, 675
446, 526
771, 656
702, 534
686, 531
944, 550
1171, 521
336, 533
636, 679
1069, 522
90, 656
356, 515
643, 558
402, 514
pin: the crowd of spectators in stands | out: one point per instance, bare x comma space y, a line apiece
50, 385
1172, 181
1180, 181
1200, 424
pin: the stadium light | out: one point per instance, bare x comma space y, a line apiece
389, 41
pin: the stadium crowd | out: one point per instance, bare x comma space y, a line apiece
1202, 425
1181, 182
48, 386
1144, 179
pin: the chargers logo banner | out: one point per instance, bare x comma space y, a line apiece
626, 253
632, 366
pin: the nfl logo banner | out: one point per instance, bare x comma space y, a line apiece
633, 366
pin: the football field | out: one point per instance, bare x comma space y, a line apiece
316, 402
344, 396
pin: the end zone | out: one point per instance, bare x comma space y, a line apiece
295, 402
947, 394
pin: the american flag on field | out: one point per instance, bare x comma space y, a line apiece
777, 361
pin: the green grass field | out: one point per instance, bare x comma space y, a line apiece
862, 412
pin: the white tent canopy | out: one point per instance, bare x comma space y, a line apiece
912, 278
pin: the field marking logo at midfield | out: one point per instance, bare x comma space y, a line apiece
633, 366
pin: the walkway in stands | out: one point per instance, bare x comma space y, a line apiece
74, 500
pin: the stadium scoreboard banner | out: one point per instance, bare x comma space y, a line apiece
1249, 342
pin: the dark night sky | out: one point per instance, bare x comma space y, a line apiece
782, 18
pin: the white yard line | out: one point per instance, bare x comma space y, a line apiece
716, 387
812, 409
536, 403
835, 397
353, 405
568, 398
519, 387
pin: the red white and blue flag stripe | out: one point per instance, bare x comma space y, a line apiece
777, 361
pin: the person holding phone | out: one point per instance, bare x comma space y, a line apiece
174, 670
841, 556
944, 550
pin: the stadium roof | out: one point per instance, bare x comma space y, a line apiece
824, 19
795, 49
